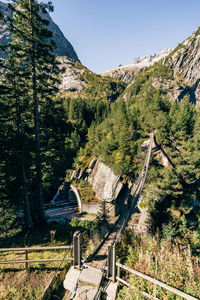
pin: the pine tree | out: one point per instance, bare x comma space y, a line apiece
37, 68
13, 87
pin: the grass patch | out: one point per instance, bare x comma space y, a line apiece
15, 281
86, 192
167, 261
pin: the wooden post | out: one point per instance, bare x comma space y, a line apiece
26, 258
79, 250
111, 264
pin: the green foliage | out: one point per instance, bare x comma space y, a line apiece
32, 122
97, 122
84, 224
182, 118
83, 111
160, 258
114, 140
100, 87
9, 225
85, 190
117, 141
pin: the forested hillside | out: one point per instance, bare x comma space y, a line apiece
171, 195
45, 134
41, 131
107, 120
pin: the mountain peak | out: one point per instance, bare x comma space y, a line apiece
150, 59
177, 75
127, 72
64, 48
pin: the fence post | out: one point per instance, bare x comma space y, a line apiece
72, 252
118, 272
154, 291
26, 258
111, 273
109, 262
77, 249
113, 263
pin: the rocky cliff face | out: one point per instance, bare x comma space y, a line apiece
70, 78
185, 63
64, 48
4, 33
176, 76
127, 73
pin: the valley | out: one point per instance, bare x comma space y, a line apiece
112, 156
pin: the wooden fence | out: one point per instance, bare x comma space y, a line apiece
152, 280
27, 250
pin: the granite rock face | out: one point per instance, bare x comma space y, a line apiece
185, 65
64, 48
4, 33
66, 54
70, 78
177, 75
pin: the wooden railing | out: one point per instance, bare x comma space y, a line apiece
152, 280
27, 250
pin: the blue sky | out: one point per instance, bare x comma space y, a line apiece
106, 33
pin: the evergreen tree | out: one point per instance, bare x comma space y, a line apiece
17, 124
34, 70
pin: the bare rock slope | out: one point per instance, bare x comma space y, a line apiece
176, 76
127, 72
64, 48
184, 62
70, 81
70, 78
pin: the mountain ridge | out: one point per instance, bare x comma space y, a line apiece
63, 46
127, 72
177, 75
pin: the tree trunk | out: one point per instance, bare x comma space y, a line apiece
27, 214
39, 210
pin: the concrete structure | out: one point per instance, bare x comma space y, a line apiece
91, 207
91, 276
84, 284
71, 280
74, 194
111, 291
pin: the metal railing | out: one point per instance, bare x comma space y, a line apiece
27, 250
152, 280
137, 188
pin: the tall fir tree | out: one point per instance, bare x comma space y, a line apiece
33, 70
